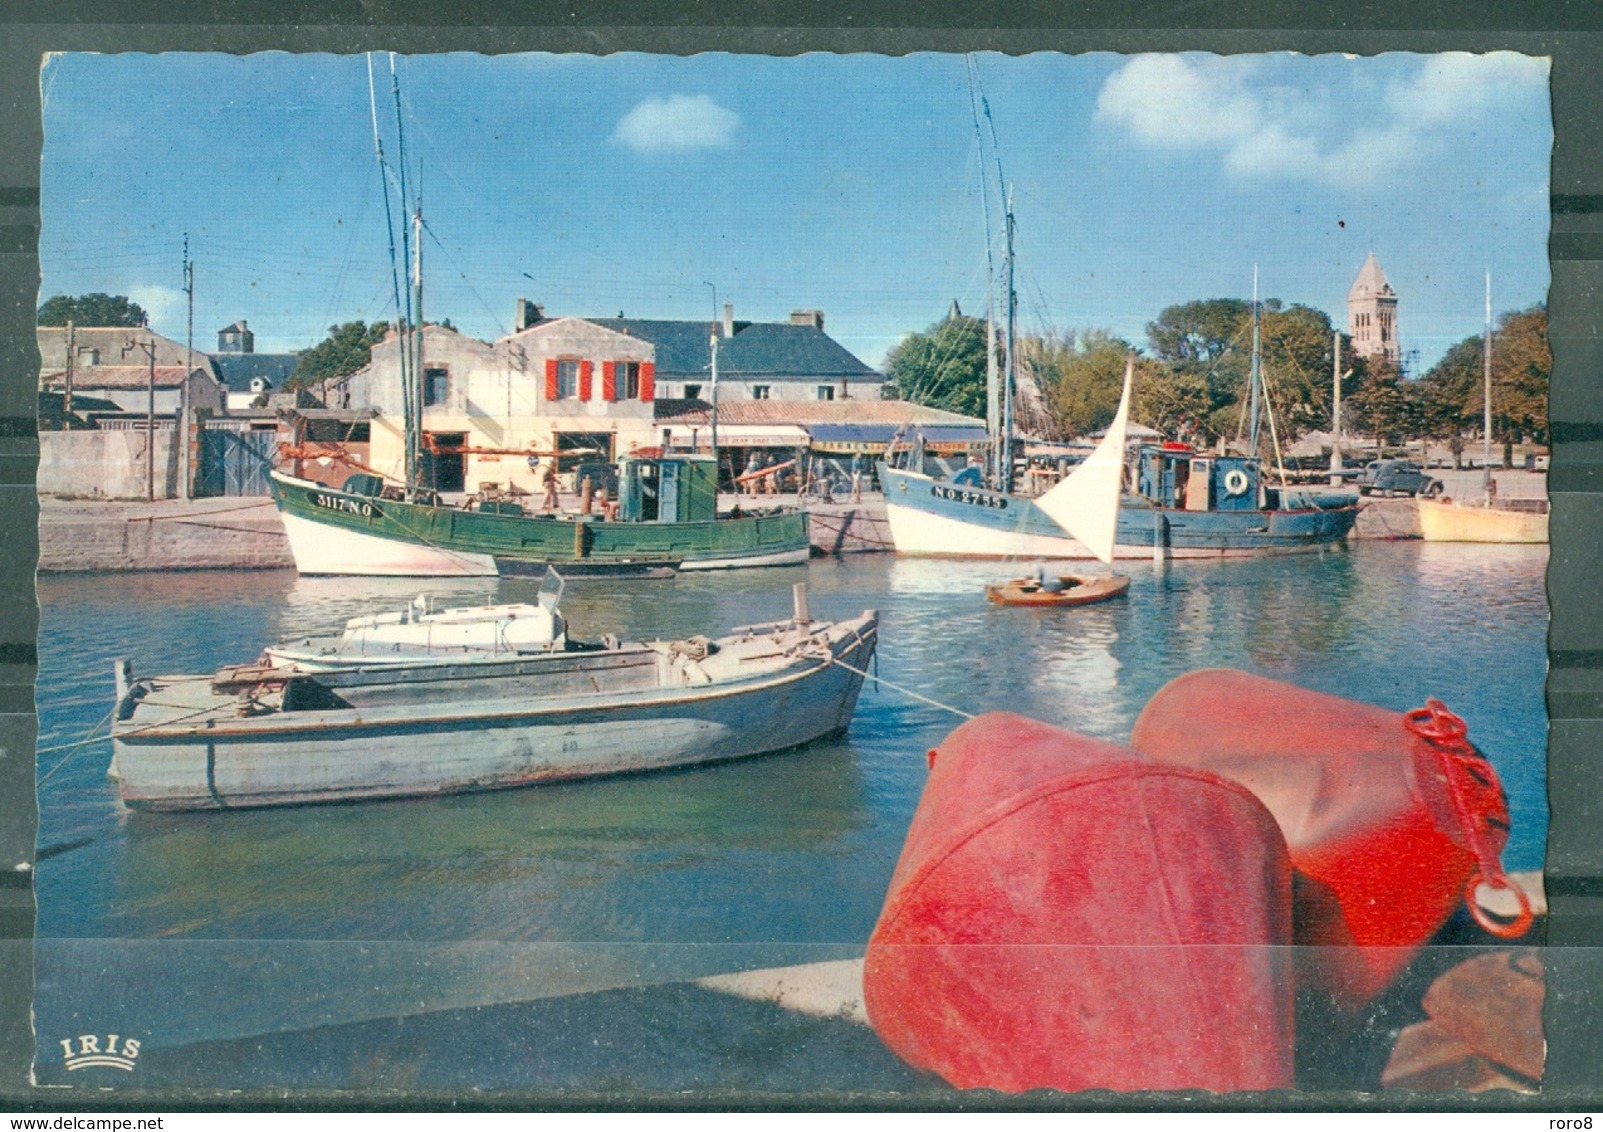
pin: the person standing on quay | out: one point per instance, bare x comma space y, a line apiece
548, 479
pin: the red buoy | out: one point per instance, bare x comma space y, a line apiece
1390, 817
1066, 915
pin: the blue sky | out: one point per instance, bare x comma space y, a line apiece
849, 183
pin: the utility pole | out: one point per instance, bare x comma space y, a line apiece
128, 346
189, 369
713, 347
72, 357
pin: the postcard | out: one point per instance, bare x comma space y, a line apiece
831, 575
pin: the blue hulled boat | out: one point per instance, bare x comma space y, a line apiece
1182, 504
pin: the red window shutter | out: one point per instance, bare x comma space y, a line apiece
586, 369
609, 381
550, 379
648, 381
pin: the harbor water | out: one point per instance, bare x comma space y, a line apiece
200, 927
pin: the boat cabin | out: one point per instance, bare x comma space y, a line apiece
681, 488
1178, 476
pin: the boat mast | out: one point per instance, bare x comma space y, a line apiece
1004, 436
993, 398
412, 396
1335, 408
1257, 371
1486, 368
1005, 481
415, 438
395, 275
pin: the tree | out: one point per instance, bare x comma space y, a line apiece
1198, 334
91, 310
1296, 344
1080, 378
944, 367
347, 349
1453, 392
1383, 403
1206, 347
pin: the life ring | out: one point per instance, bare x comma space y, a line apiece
1235, 482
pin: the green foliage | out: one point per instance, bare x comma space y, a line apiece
1195, 336
1205, 348
1452, 393
1383, 404
1080, 379
944, 367
91, 310
347, 349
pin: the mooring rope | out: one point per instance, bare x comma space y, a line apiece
851, 534
76, 747
898, 688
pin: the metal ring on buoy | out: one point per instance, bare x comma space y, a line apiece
1502, 929
1235, 482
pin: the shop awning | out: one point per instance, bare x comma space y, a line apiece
872, 438
738, 436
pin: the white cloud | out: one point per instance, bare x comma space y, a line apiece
1263, 123
166, 306
676, 123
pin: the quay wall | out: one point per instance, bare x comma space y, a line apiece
246, 533
197, 534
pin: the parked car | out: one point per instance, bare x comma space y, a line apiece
1397, 477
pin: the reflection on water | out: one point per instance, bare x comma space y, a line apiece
793, 849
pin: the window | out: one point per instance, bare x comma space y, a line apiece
88, 356
567, 379
628, 381
826, 392
759, 392
692, 392
436, 386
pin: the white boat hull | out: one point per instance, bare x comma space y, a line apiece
923, 533
321, 548
388, 748
794, 557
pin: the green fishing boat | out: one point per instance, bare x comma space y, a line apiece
666, 518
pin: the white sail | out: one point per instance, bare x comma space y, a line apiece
1086, 502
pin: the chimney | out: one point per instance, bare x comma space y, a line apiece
527, 315
729, 320
813, 318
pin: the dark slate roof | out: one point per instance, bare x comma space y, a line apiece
239, 370
757, 350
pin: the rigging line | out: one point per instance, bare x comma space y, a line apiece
76, 747
899, 688
389, 217
494, 318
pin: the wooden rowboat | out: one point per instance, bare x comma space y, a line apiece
1077, 589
